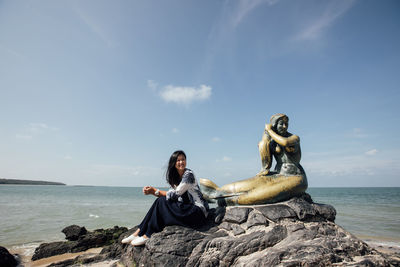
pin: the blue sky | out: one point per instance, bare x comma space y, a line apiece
102, 92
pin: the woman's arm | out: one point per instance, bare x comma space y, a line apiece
187, 182
147, 190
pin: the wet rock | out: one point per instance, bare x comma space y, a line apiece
73, 232
6, 258
97, 238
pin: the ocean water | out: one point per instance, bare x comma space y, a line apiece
31, 215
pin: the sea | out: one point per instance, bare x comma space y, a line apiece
34, 214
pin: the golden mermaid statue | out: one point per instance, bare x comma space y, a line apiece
288, 179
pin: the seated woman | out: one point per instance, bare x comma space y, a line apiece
182, 205
288, 179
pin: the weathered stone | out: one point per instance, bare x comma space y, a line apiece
292, 237
237, 230
326, 211
219, 214
226, 226
171, 247
256, 218
46, 250
97, 238
301, 207
224, 251
73, 232
275, 212
236, 214
6, 258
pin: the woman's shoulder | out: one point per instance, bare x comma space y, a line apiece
188, 176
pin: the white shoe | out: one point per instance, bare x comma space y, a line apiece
139, 241
129, 239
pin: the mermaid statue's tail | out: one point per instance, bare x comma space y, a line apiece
209, 189
213, 194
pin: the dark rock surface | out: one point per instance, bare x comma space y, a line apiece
297, 232
97, 238
73, 232
6, 258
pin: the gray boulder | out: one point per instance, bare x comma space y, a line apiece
297, 232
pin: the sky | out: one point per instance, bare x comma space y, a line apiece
102, 92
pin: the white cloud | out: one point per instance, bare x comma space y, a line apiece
34, 129
371, 152
358, 133
67, 157
152, 85
216, 139
331, 13
23, 137
224, 159
40, 128
244, 7
95, 27
361, 164
185, 95
175, 130
116, 170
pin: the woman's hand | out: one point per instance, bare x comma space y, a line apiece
147, 190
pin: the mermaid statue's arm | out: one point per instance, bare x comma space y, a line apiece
283, 141
265, 153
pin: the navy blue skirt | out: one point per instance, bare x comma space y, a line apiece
165, 212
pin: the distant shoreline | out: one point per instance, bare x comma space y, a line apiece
27, 182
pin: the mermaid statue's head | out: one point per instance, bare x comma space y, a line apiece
280, 123
275, 118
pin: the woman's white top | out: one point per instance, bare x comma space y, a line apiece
189, 184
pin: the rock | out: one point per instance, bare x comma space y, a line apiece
297, 232
226, 226
6, 258
97, 238
236, 214
171, 247
73, 232
276, 212
256, 218
237, 230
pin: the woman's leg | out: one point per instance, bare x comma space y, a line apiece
164, 212
150, 219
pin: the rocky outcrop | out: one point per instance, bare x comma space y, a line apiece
82, 242
73, 232
7, 259
297, 232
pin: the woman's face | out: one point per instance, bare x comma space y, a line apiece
180, 164
281, 127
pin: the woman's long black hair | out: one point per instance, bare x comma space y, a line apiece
172, 174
